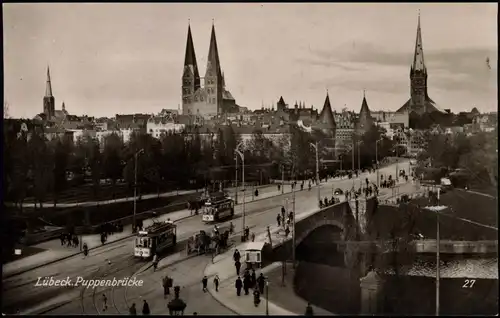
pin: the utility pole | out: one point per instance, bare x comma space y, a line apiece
352, 164
282, 179
376, 161
293, 229
438, 242
243, 181
136, 155
359, 165
236, 179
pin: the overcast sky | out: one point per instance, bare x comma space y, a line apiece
124, 58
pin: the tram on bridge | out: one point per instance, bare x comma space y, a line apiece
155, 239
218, 206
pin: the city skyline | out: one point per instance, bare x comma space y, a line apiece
134, 65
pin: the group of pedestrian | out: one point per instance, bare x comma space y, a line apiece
69, 239
284, 220
145, 309
325, 203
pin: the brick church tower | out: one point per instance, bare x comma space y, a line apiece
49, 101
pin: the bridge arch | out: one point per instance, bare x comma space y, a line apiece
304, 234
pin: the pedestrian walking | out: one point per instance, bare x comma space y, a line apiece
237, 264
253, 279
155, 262
261, 281
166, 287
204, 282
145, 308
283, 212
278, 219
253, 237
104, 302
238, 285
246, 283
132, 310
309, 310
287, 231
216, 283
256, 297
61, 237
236, 255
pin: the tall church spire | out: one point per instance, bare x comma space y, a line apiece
326, 116
213, 53
190, 57
48, 87
418, 58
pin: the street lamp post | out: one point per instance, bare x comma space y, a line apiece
136, 156
437, 209
359, 164
315, 146
282, 179
376, 161
267, 297
352, 171
293, 228
243, 181
236, 180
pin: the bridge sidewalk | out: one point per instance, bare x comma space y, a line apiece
223, 266
54, 252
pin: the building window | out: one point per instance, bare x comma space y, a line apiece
201, 98
195, 98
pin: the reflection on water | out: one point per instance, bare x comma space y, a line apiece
454, 267
337, 288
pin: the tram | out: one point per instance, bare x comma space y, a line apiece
155, 239
218, 206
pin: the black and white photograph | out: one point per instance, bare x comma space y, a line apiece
250, 159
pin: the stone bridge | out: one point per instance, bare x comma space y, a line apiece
359, 229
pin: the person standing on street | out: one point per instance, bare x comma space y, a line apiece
132, 310
166, 288
145, 308
261, 281
237, 264
155, 262
253, 279
204, 282
278, 219
238, 285
283, 212
236, 255
309, 310
246, 283
216, 283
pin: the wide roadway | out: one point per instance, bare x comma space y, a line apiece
19, 291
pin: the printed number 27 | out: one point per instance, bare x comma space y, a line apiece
469, 283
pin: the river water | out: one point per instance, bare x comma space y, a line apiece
454, 267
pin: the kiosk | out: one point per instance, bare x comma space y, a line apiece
253, 254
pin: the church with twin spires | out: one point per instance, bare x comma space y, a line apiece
212, 98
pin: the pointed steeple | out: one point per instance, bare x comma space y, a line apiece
48, 87
326, 115
190, 57
418, 58
213, 53
63, 106
364, 106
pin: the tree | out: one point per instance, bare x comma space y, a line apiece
16, 167
95, 163
303, 159
112, 163
42, 165
62, 148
